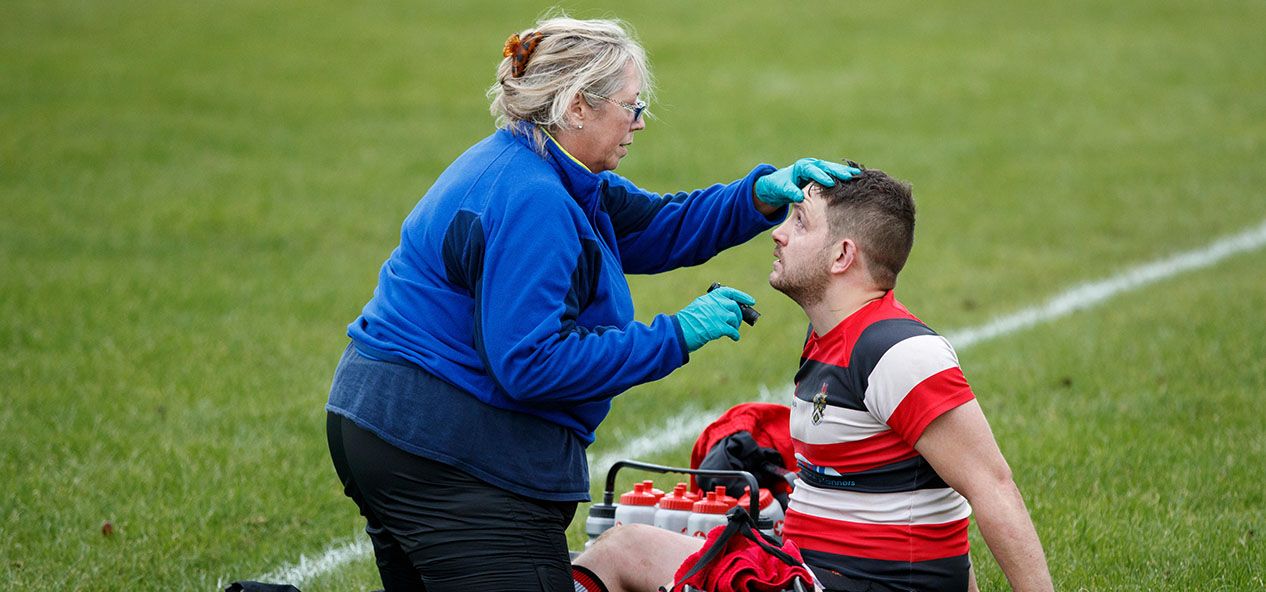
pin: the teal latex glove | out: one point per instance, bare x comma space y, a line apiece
783, 186
713, 316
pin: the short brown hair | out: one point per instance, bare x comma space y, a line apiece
877, 213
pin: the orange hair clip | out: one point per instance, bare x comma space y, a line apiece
520, 50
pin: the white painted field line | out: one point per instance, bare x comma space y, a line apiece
673, 432
332, 558
1093, 293
683, 427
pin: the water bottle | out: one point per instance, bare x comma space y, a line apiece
709, 513
674, 509
771, 514
601, 517
636, 507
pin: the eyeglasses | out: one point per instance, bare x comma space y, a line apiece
635, 108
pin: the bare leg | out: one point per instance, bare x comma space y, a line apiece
971, 579
637, 557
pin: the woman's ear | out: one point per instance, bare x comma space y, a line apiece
576, 111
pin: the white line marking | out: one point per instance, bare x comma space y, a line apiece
1089, 294
333, 557
673, 432
681, 428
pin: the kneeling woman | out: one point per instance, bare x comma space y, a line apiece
503, 325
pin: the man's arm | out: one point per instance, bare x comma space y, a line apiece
961, 448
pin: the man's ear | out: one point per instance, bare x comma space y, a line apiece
846, 256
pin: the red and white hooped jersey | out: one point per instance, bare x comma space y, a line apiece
865, 498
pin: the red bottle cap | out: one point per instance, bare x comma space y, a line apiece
649, 487
713, 504
637, 497
765, 498
721, 497
679, 499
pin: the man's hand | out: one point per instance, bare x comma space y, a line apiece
783, 186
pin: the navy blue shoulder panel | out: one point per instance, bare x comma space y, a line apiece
632, 213
875, 341
816, 377
463, 251
584, 286
846, 385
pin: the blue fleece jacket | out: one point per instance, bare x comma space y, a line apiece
509, 285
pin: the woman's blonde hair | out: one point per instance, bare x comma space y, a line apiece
572, 56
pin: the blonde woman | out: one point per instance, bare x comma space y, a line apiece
502, 325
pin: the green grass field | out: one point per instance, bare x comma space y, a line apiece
195, 199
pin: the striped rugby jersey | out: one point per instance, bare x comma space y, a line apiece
866, 504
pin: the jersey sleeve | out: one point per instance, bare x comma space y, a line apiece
916, 381
657, 233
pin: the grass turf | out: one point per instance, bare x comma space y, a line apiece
196, 198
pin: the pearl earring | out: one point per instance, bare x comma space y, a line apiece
580, 125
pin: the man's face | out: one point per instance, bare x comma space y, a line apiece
802, 262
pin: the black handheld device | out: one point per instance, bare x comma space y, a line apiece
749, 314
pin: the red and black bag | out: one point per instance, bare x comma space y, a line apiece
752, 437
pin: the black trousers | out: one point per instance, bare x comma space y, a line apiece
436, 528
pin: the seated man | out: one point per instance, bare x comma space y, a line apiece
891, 443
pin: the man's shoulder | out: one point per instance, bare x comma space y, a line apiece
882, 334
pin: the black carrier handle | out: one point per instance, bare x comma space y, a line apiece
753, 492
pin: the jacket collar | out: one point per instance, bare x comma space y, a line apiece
578, 180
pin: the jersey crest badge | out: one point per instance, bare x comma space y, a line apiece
819, 405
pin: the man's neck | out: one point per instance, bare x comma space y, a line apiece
840, 301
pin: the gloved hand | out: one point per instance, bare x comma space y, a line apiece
783, 186
712, 316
